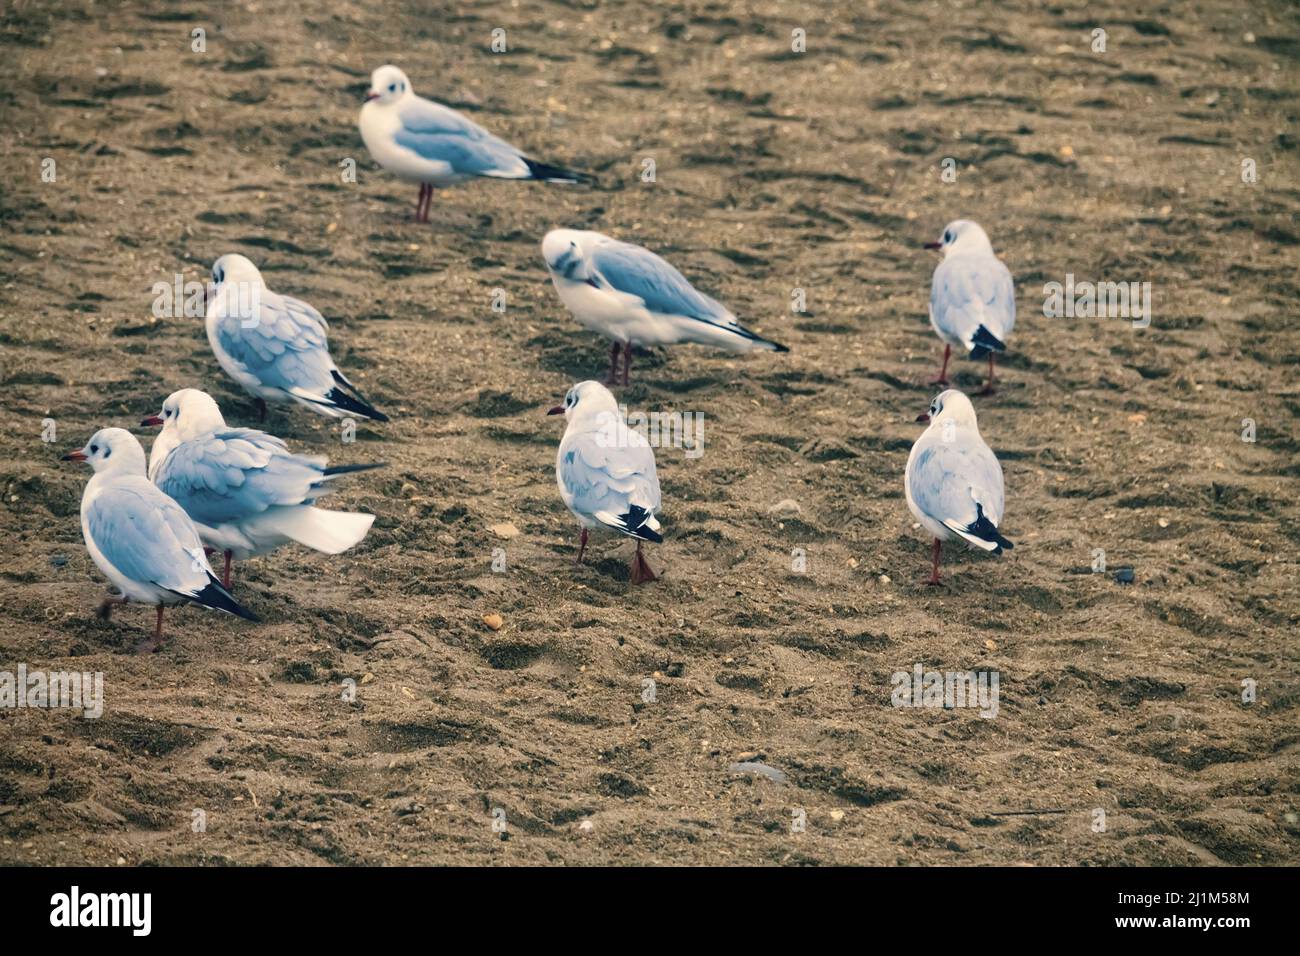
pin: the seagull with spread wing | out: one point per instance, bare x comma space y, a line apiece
972, 297
606, 472
424, 142
953, 480
245, 491
142, 540
630, 295
276, 346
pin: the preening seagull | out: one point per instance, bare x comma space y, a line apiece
972, 297
953, 480
142, 540
246, 493
276, 346
424, 142
630, 295
606, 472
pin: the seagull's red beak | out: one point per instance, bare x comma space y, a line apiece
557, 410
152, 421
932, 245
372, 95
923, 417
73, 456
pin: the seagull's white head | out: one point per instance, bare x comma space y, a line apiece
388, 84
233, 267
562, 250
952, 406
186, 415
962, 236
111, 450
585, 403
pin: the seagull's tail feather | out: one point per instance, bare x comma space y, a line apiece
345, 396
983, 342
637, 523
330, 532
982, 533
557, 174
219, 599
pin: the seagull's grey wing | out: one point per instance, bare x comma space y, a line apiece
970, 291
441, 135
237, 473
948, 480
610, 476
285, 344
147, 537
636, 271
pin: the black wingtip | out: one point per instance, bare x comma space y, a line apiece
352, 469
557, 174
778, 347
634, 523
346, 397
218, 598
986, 530
984, 342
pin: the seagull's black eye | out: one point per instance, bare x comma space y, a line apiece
93, 449
392, 87
947, 237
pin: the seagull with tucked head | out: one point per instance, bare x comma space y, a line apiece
245, 491
630, 295
606, 472
972, 297
276, 346
141, 539
953, 481
424, 142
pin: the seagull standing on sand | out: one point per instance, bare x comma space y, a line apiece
972, 297
630, 295
141, 539
424, 142
606, 472
246, 493
953, 480
276, 346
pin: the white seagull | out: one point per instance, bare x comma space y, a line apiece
141, 539
953, 480
972, 297
424, 142
606, 472
246, 493
276, 346
629, 294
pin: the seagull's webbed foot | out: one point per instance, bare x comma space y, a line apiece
641, 572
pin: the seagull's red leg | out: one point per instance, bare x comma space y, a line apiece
582, 546
934, 571
942, 377
225, 576
612, 378
419, 204
106, 606
640, 569
988, 389
261, 409
627, 363
157, 630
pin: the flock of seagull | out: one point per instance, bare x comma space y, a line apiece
206, 487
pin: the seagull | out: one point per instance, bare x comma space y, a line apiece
606, 472
424, 142
953, 480
275, 346
246, 493
629, 294
142, 540
972, 297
